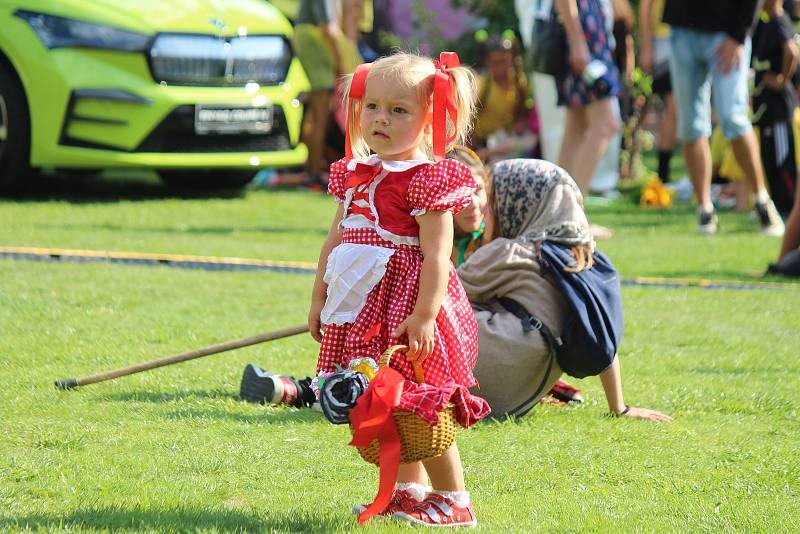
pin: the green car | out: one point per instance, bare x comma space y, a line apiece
206, 92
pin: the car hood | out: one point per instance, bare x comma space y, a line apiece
214, 17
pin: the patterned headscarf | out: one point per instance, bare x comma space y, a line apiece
536, 200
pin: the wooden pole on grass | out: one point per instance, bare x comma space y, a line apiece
71, 383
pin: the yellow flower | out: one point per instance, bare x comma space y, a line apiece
656, 195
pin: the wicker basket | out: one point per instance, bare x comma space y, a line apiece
418, 440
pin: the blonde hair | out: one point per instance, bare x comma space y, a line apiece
416, 72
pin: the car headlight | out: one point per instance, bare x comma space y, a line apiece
61, 32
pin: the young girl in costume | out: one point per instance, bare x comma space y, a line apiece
385, 275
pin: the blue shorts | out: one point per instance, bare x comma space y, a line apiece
696, 78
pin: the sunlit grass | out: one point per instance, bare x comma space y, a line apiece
174, 450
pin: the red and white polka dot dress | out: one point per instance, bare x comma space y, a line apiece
380, 204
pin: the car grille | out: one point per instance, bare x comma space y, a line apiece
209, 61
176, 134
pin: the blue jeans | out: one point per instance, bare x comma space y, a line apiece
696, 78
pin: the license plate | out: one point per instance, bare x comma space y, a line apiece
232, 120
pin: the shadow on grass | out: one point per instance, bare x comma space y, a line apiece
196, 230
134, 519
730, 276
269, 415
264, 415
157, 397
79, 189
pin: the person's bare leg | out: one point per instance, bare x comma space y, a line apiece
742, 196
319, 110
603, 124
413, 472
697, 154
668, 132
446, 471
574, 126
748, 156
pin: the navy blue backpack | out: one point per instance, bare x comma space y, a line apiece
593, 327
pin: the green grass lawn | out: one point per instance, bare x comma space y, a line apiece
174, 450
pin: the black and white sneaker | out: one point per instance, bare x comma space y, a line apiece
769, 219
263, 387
706, 222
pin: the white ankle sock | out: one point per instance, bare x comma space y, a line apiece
418, 491
461, 498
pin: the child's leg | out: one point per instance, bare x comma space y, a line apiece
449, 504
411, 488
446, 471
412, 473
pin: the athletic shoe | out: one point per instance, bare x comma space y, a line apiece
706, 222
769, 219
565, 392
262, 387
402, 501
439, 511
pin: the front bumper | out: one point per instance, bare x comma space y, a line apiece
96, 108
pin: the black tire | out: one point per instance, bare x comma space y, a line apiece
205, 179
15, 131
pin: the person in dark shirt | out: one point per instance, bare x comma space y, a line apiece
775, 99
710, 43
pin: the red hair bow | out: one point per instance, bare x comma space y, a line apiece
358, 86
443, 103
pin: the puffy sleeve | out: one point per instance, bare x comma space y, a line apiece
443, 186
336, 180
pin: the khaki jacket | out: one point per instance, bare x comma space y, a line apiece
511, 363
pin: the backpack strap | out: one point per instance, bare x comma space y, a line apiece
530, 323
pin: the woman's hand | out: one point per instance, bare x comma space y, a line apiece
579, 55
420, 336
645, 413
729, 55
314, 322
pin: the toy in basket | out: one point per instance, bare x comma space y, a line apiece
418, 439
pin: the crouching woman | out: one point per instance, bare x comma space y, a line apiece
530, 200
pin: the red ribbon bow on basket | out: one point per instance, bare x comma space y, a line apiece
372, 418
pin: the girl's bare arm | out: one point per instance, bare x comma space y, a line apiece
320, 292
436, 242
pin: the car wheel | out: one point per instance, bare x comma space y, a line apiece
15, 139
219, 179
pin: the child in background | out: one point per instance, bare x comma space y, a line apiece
384, 274
774, 101
468, 223
502, 125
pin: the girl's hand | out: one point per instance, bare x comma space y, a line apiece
314, 323
420, 337
645, 413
